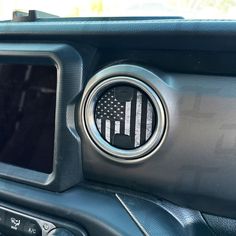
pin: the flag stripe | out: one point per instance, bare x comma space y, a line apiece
99, 124
103, 128
132, 119
108, 130
154, 118
138, 119
122, 127
112, 131
143, 119
117, 127
149, 120
127, 117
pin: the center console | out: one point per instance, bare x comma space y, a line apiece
13, 223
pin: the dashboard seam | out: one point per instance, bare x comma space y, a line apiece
145, 233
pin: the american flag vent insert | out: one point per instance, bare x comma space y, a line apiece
125, 116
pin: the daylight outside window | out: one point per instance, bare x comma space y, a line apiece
189, 9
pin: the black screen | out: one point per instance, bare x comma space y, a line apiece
27, 116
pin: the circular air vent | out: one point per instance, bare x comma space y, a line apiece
124, 117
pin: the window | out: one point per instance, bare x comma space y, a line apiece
189, 9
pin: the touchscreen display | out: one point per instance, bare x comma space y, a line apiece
27, 116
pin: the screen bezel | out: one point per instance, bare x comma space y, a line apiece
66, 167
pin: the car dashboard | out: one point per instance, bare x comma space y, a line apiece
117, 126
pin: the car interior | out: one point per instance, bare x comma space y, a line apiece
117, 126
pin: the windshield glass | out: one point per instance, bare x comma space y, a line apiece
189, 9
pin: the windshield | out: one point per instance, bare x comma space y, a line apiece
189, 9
